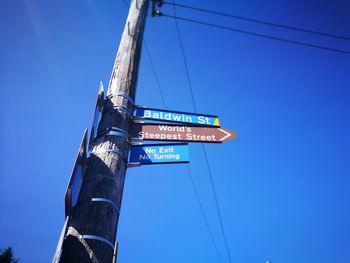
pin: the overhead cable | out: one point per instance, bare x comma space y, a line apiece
204, 151
203, 213
259, 21
188, 171
258, 34
184, 59
155, 74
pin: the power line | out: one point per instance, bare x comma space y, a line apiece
258, 34
188, 171
260, 21
155, 74
185, 59
204, 151
216, 202
203, 213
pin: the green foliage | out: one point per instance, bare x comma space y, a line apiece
6, 256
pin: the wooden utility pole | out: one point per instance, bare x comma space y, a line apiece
92, 223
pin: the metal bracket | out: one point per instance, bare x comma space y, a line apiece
99, 199
114, 131
155, 4
118, 134
124, 95
136, 141
102, 239
120, 130
138, 119
116, 152
132, 165
124, 109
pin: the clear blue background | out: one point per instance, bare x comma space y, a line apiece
283, 185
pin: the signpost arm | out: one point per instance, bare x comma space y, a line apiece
92, 225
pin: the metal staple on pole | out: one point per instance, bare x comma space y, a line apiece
124, 109
99, 199
93, 237
124, 95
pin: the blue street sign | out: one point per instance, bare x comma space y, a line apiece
159, 153
178, 116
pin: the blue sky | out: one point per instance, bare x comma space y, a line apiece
282, 186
